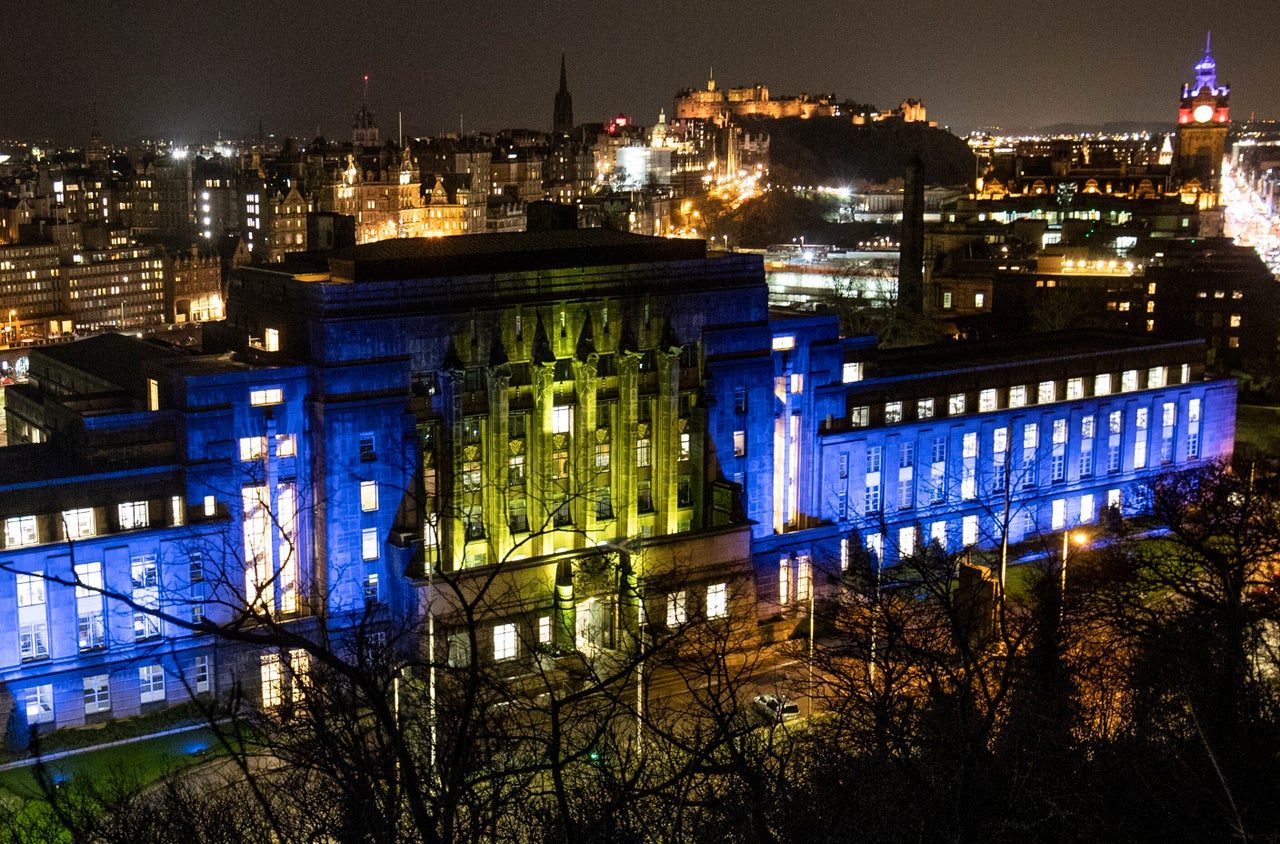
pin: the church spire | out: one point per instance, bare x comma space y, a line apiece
562, 118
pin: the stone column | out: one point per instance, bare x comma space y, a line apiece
449, 460
586, 384
623, 447
495, 464
543, 494
666, 440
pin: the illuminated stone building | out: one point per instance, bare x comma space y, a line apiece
193, 288
880, 453
582, 422
1203, 119
115, 287
390, 204
285, 225
32, 297
717, 105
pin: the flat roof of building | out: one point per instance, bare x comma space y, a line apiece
113, 358
975, 354
486, 254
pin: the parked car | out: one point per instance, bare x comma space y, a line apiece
775, 709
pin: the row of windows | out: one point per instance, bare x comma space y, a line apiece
506, 642
1019, 395
908, 539
97, 690
81, 523
1028, 464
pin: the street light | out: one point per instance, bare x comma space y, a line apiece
1080, 538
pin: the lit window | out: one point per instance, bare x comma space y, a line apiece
969, 530
906, 541
804, 578
40, 704
151, 683
924, 409
1155, 377
643, 452
785, 343
1102, 384
851, 372
1017, 396
717, 600
201, 678
134, 514
1129, 381
369, 543
562, 420
979, 300
30, 589
739, 443
987, 401
602, 457
893, 412
544, 630
20, 531
210, 505
371, 588
955, 404
784, 579
368, 496
271, 340
33, 639
79, 524
860, 417
797, 383
504, 642
1075, 388
1059, 514
286, 445
684, 447
676, 609
258, 398
97, 694
1047, 392
272, 680
253, 448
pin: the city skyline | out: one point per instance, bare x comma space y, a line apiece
487, 66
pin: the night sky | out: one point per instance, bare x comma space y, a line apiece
187, 71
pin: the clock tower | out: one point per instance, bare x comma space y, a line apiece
1202, 135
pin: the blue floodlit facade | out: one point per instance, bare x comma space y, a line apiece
525, 400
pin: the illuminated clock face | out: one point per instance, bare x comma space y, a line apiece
1203, 113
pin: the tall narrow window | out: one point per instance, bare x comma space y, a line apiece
368, 496
969, 469
1193, 429
91, 627
717, 600
504, 642
146, 597
1030, 441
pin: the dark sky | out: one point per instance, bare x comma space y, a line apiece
188, 70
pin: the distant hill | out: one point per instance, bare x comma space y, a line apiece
827, 151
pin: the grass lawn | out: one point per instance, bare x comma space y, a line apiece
144, 760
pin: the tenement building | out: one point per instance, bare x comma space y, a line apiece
536, 441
